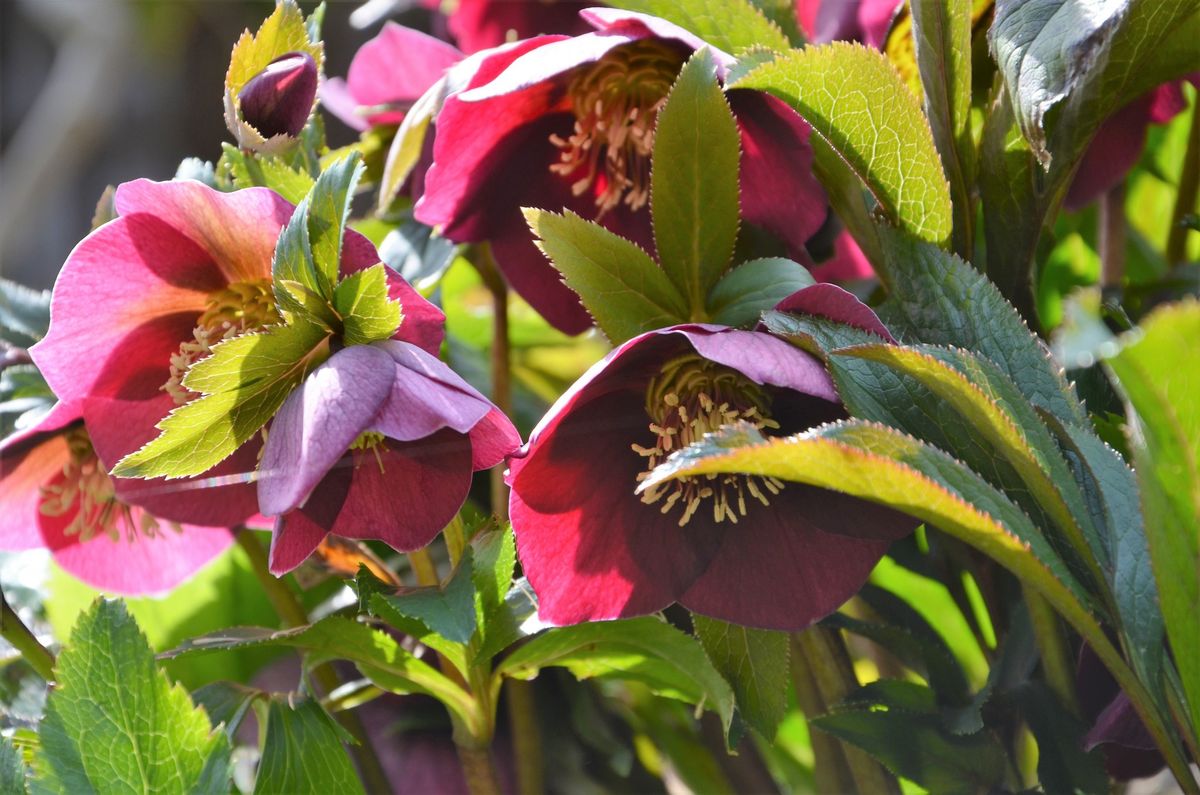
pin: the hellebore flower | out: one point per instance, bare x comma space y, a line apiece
561, 122
278, 99
388, 74
481, 24
54, 493
378, 442
847, 20
742, 548
145, 296
1117, 730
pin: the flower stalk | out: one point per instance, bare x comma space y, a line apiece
1185, 199
13, 630
501, 361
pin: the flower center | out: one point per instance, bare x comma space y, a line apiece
616, 102
692, 396
234, 310
86, 488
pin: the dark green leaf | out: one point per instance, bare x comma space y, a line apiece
328, 212
729, 25
24, 313
645, 649
694, 187
621, 286
753, 287
227, 703
303, 753
854, 99
416, 252
244, 382
1062, 764
755, 662
368, 314
12, 769
506, 624
114, 722
448, 610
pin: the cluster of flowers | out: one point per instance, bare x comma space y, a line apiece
380, 441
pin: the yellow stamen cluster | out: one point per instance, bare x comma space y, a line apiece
692, 396
372, 441
231, 311
85, 484
616, 102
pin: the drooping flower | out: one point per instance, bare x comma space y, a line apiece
388, 74
278, 99
568, 122
379, 442
54, 493
747, 549
147, 295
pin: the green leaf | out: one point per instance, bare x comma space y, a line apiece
303, 752
894, 722
267, 171
753, 287
12, 769
378, 655
227, 703
368, 314
1159, 374
24, 313
618, 282
328, 211
941, 36
448, 610
694, 186
1063, 766
294, 274
244, 382
495, 558
756, 664
939, 299
506, 624
114, 722
644, 649
729, 25
854, 99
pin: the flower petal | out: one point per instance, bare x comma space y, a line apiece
424, 396
760, 357
590, 548
24, 470
778, 189
636, 25
337, 99
848, 262
293, 539
480, 24
774, 571
318, 422
493, 439
832, 302
397, 65
423, 324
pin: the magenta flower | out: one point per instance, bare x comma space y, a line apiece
560, 122
847, 20
481, 24
143, 297
54, 493
747, 549
379, 442
278, 99
388, 74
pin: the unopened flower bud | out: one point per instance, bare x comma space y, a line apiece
277, 100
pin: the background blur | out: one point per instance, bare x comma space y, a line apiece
98, 92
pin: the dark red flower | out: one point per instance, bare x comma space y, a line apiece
1117, 730
277, 100
559, 122
741, 548
480, 24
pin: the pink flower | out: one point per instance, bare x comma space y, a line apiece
379, 442
847, 20
480, 24
559, 122
746, 549
143, 297
388, 74
54, 493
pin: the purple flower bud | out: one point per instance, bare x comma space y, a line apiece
277, 100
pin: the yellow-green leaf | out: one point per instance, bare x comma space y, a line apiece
361, 299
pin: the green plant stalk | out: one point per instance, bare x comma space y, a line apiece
501, 360
1185, 199
1052, 644
526, 735
829, 663
13, 630
1113, 232
1179, 711
830, 771
292, 614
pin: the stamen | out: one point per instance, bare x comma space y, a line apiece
690, 397
616, 102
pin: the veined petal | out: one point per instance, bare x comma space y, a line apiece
24, 470
425, 396
397, 65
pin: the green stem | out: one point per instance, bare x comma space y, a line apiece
24, 641
830, 771
1185, 199
501, 361
1112, 235
292, 614
829, 662
478, 770
456, 539
526, 735
1056, 659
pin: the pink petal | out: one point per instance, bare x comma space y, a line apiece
776, 572
424, 396
317, 424
24, 470
293, 539
480, 24
398, 65
224, 496
833, 303
541, 65
1112, 153
636, 25
848, 262
590, 548
778, 189
493, 439
875, 17
135, 563
760, 357
336, 98
236, 230
424, 324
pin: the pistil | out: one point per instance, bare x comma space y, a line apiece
690, 397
